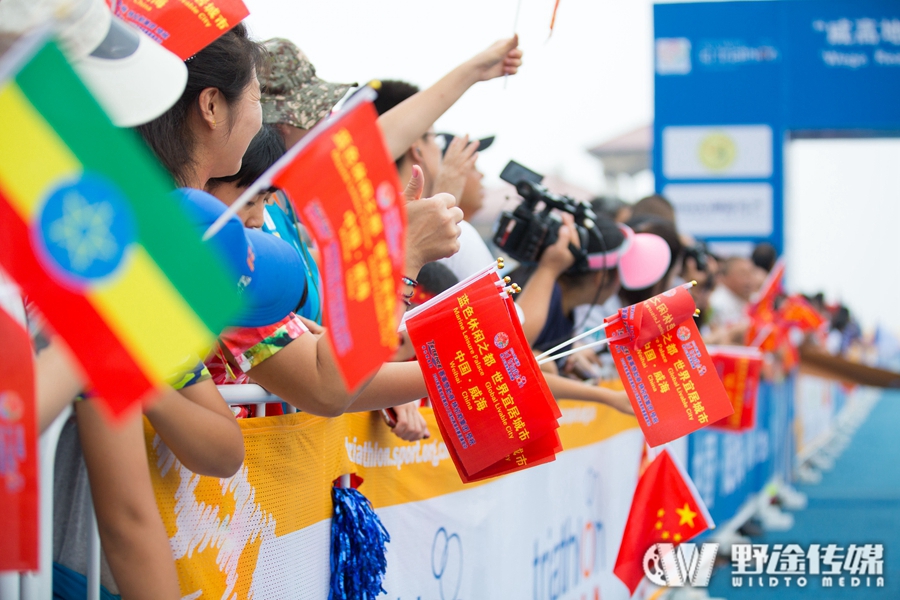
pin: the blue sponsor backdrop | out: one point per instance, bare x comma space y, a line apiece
802, 68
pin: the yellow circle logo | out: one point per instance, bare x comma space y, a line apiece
717, 151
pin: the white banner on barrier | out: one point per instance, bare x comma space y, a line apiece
551, 532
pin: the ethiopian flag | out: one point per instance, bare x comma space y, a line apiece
91, 232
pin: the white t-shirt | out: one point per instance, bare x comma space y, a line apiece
473, 253
727, 307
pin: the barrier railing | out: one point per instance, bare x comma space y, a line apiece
736, 473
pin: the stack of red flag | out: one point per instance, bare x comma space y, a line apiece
668, 373
493, 407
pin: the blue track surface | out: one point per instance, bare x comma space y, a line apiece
858, 502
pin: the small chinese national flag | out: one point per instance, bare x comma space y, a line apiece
668, 375
344, 185
18, 450
666, 508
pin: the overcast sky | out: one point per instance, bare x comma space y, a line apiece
592, 81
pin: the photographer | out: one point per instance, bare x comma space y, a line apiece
558, 284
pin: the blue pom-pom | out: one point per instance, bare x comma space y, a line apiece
358, 539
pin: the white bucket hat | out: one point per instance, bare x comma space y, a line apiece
133, 78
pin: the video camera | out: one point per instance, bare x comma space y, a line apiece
526, 232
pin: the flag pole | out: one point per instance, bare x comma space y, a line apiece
541, 361
366, 94
515, 27
573, 340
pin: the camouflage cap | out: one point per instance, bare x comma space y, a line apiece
291, 92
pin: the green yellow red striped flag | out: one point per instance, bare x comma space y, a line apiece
91, 232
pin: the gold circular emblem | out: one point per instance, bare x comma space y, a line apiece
717, 151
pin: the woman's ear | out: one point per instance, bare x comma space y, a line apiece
212, 107
415, 155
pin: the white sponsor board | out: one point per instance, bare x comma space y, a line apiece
722, 209
551, 532
728, 151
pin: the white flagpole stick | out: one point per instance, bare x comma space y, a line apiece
265, 180
573, 340
515, 27
541, 361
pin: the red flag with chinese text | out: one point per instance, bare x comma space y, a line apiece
344, 185
763, 332
739, 368
183, 27
795, 311
18, 450
771, 288
646, 321
493, 407
670, 380
666, 507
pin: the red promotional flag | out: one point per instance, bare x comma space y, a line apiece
344, 184
183, 27
666, 508
770, 289
796, 311
493, 407
660, 314
670, 380
18, 450
739, 369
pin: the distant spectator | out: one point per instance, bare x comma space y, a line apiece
764, 256
732, 294
653, 206
612, 208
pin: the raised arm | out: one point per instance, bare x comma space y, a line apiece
407, 121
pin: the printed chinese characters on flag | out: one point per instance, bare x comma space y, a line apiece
666, 508
183, 27
739, 369
344, 184
18, 450
493, 407
667, 372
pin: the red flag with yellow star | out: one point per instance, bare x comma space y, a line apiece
666, 508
